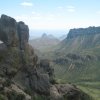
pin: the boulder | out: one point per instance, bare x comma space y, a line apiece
67, 92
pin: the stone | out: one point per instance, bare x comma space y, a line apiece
13, 33
8, 31
67, 92
23, 33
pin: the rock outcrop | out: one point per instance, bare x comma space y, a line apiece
67, 92
8, 30
23, 34
22, 75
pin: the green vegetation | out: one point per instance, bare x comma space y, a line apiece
76, 60
91, 88
14, 96
86, 77
2, 97
40, 97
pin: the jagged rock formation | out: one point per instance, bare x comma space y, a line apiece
22, 75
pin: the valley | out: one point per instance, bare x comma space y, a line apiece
76, 59
50, 50
25, 75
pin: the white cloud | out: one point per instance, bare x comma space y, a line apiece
27, 4
70, 8
37, 20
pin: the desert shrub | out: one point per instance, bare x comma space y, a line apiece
14, 96
40, 97
2, 97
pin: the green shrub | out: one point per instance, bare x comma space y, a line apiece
2, 97
14, 96
40, 97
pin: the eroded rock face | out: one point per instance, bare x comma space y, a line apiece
13, 33
73, 33
8, 31
18, 63
23, 33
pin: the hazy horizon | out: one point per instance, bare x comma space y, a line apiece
53, 14
38, 33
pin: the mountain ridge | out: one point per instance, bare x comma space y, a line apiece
78, 41
83, 31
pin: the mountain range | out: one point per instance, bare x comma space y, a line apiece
76, 59
44, 43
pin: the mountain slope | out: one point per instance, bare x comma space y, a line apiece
77, 59
79, 54
80, 39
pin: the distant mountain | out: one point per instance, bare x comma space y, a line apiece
76, 59
83, 31
62, 37
45, 42
38, 33
78, 40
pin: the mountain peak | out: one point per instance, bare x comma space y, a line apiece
44, 35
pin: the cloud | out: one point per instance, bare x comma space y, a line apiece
21, 17
36, 20
70, 8
27, 4
36, 13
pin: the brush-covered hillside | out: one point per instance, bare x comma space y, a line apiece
80, 40
77, 59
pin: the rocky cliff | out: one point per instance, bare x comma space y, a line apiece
22, 75
83, 31
80, 39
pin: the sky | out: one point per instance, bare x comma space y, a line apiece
53, 14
